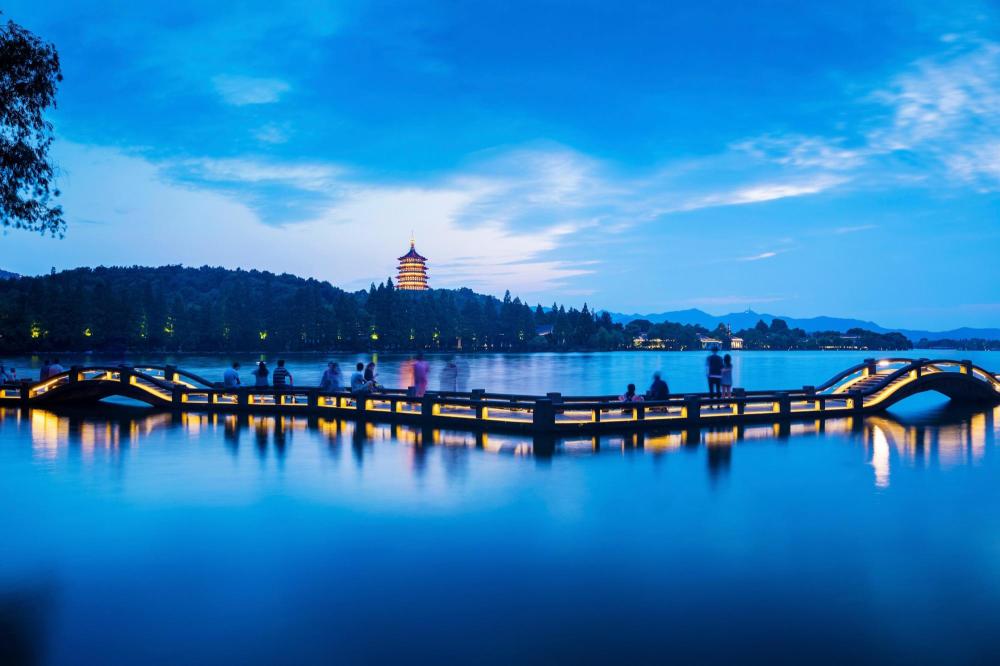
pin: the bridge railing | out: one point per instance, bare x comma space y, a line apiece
551, 410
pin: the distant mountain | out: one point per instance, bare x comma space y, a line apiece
7, 275
742, 320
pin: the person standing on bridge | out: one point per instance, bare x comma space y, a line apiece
449, 375
421, 369
281, 377
332, 379
231, 377
713, 368
726, 379
260, 374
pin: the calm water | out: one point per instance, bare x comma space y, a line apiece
151, 539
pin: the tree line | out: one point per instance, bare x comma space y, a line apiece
777, 335
172, 308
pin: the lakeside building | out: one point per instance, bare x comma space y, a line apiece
412, 271
707, 342
846, 342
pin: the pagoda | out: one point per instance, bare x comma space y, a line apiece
412, 271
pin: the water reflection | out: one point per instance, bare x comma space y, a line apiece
946, 437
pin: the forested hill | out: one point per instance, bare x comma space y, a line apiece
214, 309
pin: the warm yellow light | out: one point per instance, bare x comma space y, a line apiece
36, 331
263, 335
87, 333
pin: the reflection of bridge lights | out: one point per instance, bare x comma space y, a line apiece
880, 457
47, 432
759, 432
720, 437
456, 438
665, 442
580, 445
977, 437
810, 428
504, 443
952, 445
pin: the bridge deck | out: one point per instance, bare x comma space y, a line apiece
868, 387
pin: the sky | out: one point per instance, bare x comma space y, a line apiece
795, 158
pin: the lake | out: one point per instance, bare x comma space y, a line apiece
134, 537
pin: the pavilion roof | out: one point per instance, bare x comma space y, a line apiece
412, 254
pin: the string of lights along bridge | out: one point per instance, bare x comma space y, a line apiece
412, 275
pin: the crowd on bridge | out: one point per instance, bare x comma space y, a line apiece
363, 380
718, 371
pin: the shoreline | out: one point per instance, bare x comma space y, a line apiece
92, 352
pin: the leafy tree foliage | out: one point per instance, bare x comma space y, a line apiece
965, 344
214, 309
29, 74
172, 308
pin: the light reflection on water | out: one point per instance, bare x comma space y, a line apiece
887, 440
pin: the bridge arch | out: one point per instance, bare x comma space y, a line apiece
883, 383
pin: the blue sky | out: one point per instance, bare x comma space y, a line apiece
798, 158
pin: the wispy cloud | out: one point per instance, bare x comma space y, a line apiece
853, 229
941, 113
770, 192
759, 257
801, 151
271, 133
941, 97
252, 171
243, 90
350, 237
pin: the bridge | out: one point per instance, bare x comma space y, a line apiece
869, 387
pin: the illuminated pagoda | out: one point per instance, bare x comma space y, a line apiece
412, 271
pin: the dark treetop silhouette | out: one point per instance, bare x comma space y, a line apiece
213, 309
29, 74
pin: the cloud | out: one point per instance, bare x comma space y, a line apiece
271, 134
763, 192
249, 171
758, 257
243, 90
804, 152
854, 229
941, 114
941, 97
143, 214
947, 109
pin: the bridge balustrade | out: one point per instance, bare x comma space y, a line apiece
865, 387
